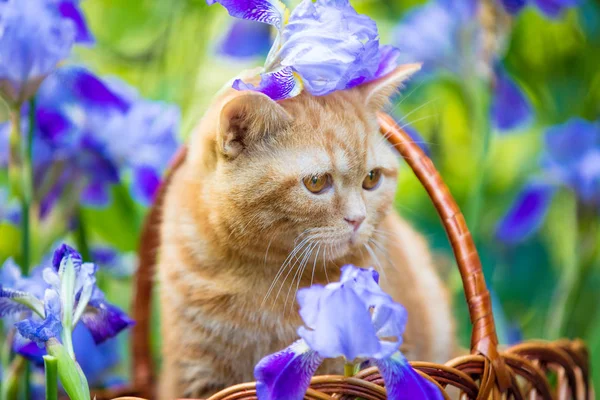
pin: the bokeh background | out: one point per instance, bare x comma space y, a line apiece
493, 86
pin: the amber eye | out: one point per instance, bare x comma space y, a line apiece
372, 179
317, 183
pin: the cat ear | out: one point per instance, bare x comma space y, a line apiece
377, 92
248, 117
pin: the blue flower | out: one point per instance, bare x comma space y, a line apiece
550, 8
510, 107
246, 39
48, 298
442, 34
34, 38
352, 318
92, 134
571, 159
69, 9
110, 260
324, 46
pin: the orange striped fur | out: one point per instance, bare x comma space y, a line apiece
241, 233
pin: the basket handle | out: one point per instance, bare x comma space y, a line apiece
483, 335
483, 338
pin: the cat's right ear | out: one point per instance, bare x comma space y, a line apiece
246, 118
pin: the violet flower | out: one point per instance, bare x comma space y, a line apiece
352, 318
34, 38
59, 299
571, 159
323, 46
92, 134
446, 37
550, 8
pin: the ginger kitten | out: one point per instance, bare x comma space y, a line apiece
275, 196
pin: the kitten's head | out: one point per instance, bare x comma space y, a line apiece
307, 171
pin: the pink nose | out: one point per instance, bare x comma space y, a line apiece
355, 221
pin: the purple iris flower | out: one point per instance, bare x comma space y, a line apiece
550, 8
510, 107
116, 264
34, 38
571, 159
323, 46
442, 34
93, 133
44, 294
246, 39
446, 36
352, 318
71, 10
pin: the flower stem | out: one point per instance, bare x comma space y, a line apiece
51, 371
478, 108
82, 237
348, 369
574, 279
10, 384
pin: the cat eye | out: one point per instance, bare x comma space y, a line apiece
372, 179
317, 183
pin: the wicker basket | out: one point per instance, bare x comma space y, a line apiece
520, 372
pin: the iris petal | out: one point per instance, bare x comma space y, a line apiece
69, 10
103, 319
8, 303
527, 213
402, 382
41, 330
343, 326
270, 12
246, 39
279, 84
510, 107
286, 374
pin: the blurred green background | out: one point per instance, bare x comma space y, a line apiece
166, 48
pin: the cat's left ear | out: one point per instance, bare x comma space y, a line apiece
377, 92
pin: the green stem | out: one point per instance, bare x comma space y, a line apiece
82, 237
478, 109
574, 279
10, 384
27, 181
51, 371
348, 369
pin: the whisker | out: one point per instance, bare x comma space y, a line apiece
283, 267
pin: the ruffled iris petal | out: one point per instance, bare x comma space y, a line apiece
278, 85
527, 213
388, 60
41, 330
270, 12
342, 326
8, 301
402, 382
103, 319
510, 107
286, 374
63, 253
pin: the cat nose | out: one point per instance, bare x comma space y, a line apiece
355, 221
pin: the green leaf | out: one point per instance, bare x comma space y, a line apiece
69, 372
